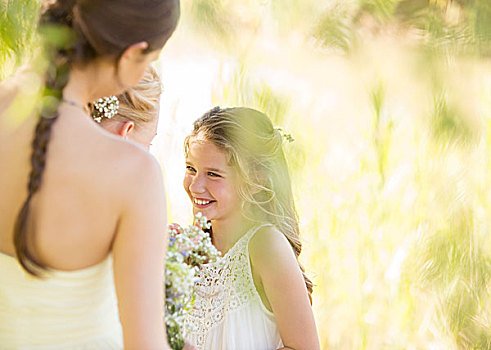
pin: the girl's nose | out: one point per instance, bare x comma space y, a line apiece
197, 184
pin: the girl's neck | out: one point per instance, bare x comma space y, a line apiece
227, 232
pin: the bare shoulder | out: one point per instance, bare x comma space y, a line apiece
269, 247
11, 87
133, 167
105, 163
138, 163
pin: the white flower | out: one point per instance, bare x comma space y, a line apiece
188, 248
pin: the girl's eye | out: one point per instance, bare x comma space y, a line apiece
212, 174
190, 168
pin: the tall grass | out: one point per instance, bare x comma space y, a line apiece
390, 109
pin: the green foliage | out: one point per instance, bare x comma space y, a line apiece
397, 240
243, 90
213, 21
462, 26
57, 36
17, 32
382, 130
334, 29
292, 14
447, 123
451, 264
380, 9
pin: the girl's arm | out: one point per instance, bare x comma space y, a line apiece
139, 256
274, 262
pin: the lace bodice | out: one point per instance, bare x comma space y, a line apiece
227, 303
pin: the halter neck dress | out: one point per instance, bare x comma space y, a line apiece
64, 310
228, 312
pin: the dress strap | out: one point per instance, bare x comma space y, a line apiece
242, 245
253, 231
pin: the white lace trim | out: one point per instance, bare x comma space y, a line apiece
223, 286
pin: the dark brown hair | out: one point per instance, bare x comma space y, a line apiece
255, 150
91, 29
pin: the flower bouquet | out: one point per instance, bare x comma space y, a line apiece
188, 248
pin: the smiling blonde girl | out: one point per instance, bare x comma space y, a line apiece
257, 297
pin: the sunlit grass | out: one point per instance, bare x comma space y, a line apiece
391, 165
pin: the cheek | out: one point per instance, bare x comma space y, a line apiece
139, 71
132, 72
228, 193
186, 182
236, 199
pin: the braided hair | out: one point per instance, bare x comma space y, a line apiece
89, 29
56, 78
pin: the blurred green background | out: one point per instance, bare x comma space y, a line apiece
389, 102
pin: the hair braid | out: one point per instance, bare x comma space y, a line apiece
56, 79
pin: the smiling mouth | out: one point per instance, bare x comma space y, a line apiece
202, 202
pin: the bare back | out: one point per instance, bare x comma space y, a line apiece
76, 212
99, 194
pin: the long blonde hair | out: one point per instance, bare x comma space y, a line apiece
255, 151
140, 103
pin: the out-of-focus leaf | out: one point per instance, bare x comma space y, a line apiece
212, 19
58, 36
334, 29
407, 9
448, 123
381, 9
18, 20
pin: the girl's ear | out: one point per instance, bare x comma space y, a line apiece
125, 129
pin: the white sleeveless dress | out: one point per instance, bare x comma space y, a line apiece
65, 310
228, 313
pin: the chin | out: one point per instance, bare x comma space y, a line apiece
209, 216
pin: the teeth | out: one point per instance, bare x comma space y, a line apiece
200, 202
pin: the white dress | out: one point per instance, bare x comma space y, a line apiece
228, 313
64, 310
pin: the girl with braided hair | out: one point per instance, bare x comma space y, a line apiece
257, 296
82, 247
